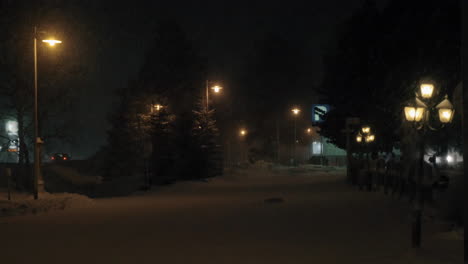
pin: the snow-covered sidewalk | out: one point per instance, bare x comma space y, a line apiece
24, 204
252, 216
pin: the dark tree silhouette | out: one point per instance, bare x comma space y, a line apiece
207, 152
58, 70
273, 73
379, 59
171, 76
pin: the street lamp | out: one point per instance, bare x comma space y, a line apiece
295, 112
370, 138
415, 111
426, 90
215, 88
418, 113
243, 132
365, 137
243, 145
52, 42
359, 138
366, 129
156, 107
38, 141
445, 110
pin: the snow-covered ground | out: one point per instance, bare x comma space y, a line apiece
24, 203
252, 216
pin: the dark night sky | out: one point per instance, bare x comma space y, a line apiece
224, 31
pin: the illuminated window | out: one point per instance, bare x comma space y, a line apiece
317, 148
12, 128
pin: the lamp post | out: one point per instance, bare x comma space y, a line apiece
365, 137
309, 133
295, 112
37, 139
215, 88
155, 111
418, 113
156, 107
243, 134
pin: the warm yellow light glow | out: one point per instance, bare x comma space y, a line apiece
309, 130
217, 88
446, 110
370, 138
158, 107
243, 132
296, 111
414, 114
365, 129
426, 90
359, 138
445, 115
52, 42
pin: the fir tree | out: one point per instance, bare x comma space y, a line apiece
206, 135
161, 125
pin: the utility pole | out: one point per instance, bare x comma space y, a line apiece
295, 143
277, 142
349, 121
418, 201
37, 166
465, 101
37, 139
207, 94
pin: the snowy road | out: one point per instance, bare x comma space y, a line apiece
226, 220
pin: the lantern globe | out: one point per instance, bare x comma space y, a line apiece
426, 90
414, 114
366, 129
446, 110
216, 88
445, 115
370, 138
359, 138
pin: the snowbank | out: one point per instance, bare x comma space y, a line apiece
62, 179
22, 204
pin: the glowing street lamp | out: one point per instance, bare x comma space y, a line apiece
416, 111
414, 114
365, 134
38, 141
446, 111
364, 138
52, 42
295, 112
215, 88
359, 138
370, 138
366, 129
426, 90
242, 144
157, 107
419, 114
243, 132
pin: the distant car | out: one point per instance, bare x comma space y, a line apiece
60, 157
